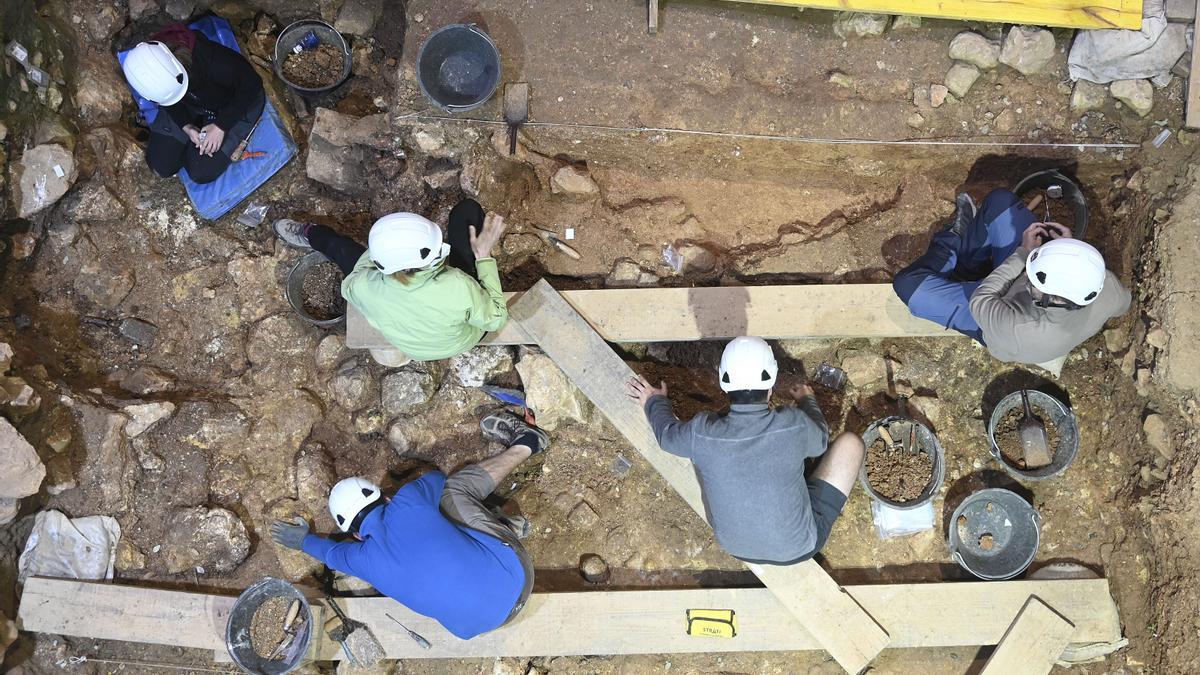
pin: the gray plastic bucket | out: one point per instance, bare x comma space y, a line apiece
1071, 194
1013, 525
293, 290
931, 445
289, 37
458, 67
1050, 409
237, 630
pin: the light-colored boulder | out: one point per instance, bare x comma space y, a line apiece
1086, 96
1138, 95
1027, 49
572, 180
975, 49
960, 78
553, 397
40, 177
21, 470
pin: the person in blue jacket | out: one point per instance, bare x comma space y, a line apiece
434, 546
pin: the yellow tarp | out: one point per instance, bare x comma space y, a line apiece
1066, 13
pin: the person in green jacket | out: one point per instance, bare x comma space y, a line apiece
429, 298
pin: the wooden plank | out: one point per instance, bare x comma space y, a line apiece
1033, 643
842, 627
595, 622
1065, 13
683, 314
652, 18
1192, 115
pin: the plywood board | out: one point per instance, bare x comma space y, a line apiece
1065, 13
843, 628
595, 622
1033, 643
682, 314
1192, 115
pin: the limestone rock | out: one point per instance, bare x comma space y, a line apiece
860, 24
1027, 49
1116, 339
35, 181
695, 258
625, 272
915, 120
314, 474
474, 368
582, 517
60, 475
21, 470
937, 95
1086, 96
145, 415
6, 356
296, 565
905, 22
105, 286
8, 510
100, 92
593, 568
975, 49
179, 9
358, 17
369, 421
572, 180
960, 77
95, 202
18, 396
8, 634
399, 437
430, 141
353, 385
339, 148
147, 380
213, 539
277, 339
129, 558
1137, 94
108, 466
330, 351
1157, 338
389, 357
841, 79
553, 398
864, 369
406, 389
141, 8
1158, 435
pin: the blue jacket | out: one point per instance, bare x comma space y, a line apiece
467, 580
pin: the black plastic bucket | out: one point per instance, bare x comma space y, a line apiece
292, 35
458, 67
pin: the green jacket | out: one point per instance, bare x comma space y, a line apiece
441, 312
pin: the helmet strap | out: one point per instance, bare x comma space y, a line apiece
362, 514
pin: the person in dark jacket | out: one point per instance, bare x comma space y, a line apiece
209, 99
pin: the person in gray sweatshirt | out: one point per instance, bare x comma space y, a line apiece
750, 462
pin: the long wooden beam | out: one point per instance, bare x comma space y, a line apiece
596, 622
1033, 643
1065, 13
684, 314
842, 627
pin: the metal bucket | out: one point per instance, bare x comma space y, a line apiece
458, 67
293, 290
1050, 409
1071, 194
1007, 523
237, 629
928, 441
292, 35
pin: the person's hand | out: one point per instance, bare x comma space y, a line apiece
1032, 237
290, 535
193, 133
1057, 231
214, 136
488, 236
642, 391
799, 391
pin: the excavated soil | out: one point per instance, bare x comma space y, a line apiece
266, 628
322, 290
1008, 436
314, 68
899, 475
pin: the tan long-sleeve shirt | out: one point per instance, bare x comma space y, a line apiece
1015, 329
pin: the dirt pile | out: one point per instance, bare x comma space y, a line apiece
314, 68
322, 289
898, 474
1008, 436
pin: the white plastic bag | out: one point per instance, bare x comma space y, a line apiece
891, 522
80, 548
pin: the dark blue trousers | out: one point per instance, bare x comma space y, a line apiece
938, 285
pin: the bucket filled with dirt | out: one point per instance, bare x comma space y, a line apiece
994, 534
905, 467
312, 57
269, 628
1004, 435
1059, 199
314, 290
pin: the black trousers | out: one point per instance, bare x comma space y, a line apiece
169, 148
345, 252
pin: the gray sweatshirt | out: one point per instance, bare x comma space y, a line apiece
750, 464
1016, 329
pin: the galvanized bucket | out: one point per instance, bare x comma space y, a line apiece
1050, 409
994, 534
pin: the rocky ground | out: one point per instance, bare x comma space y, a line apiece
225, 410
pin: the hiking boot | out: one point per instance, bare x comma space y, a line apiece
964, 213
292, 232
506, 428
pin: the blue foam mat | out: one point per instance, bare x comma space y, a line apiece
241, 179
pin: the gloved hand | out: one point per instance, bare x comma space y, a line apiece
290, 535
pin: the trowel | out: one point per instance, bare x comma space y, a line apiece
1035, 443
516, 111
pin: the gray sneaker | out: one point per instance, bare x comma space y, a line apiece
506, 428
964, 213
292, 232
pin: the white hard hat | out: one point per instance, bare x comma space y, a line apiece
747, 363
405, 241
349, 497
1067, 268
155, 73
